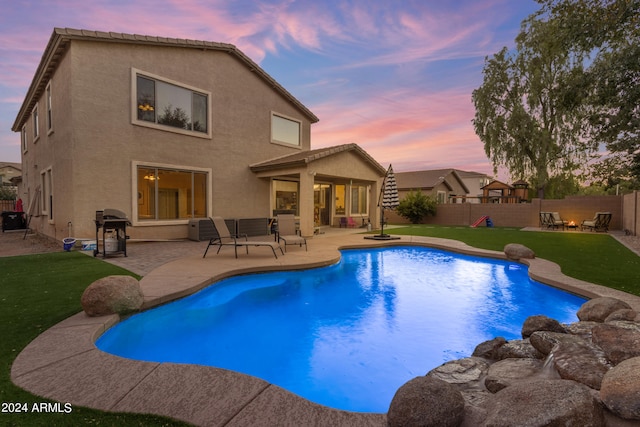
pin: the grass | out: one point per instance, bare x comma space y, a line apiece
593, 257
36, 292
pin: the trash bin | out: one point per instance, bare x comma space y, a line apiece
12, 220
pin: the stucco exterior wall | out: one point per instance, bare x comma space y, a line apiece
95, 145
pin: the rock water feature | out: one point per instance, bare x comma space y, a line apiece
583, 374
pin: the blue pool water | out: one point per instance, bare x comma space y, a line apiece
349, 335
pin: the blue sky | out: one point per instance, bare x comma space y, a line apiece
393, 76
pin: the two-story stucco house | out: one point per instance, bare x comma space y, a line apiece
167, 130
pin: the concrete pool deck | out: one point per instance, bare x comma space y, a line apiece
63, 363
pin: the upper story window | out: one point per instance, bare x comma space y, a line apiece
23, 138
169, 105
36, 123
285, 130
49, 109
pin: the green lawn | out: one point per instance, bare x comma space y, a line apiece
38, 291
594, 257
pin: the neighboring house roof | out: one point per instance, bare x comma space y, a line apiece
428, 179
306, 157
61, 38
471, 174
496, 185
16, 166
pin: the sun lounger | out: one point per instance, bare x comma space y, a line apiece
225, 238
287, 232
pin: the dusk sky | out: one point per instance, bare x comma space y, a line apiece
395, 77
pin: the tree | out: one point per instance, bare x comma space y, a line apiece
415, 206
529, 109
607, 34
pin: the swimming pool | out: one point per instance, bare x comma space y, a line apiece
349, 335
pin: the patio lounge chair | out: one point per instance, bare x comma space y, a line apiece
556, 221
600, 222
545, 220
225, 238
287, 232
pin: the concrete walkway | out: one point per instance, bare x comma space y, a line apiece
63, 363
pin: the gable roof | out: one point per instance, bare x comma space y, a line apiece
305, 157
62, 37
16, 166
497, 185
427, 179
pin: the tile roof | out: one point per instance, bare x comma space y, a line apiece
306, 157
61, 37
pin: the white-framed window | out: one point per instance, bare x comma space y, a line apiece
359, 200
441, 197
285, 130
170, 106
165, 193
46, 193
49, 108
23, 138
36, 124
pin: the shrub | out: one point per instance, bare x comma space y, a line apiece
415, 206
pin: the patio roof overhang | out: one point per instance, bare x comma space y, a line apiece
347, 161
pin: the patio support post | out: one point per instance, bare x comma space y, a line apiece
307, 179
374, 209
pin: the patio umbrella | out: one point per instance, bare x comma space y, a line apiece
388, 200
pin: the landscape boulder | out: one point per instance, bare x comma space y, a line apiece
426, 401
620, 390
510, 371
112, 295
541, 323
581, 362
515, 251
598, 309
544, 403
620, 340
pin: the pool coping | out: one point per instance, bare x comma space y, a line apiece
64, 364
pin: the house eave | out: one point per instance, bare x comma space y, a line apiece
61, 37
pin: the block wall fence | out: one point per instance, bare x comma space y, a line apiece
625, 212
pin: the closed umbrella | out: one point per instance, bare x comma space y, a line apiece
388, 200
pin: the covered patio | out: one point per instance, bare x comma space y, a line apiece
324, 187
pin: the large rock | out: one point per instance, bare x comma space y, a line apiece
619, 340
545, 341
515, 251
112, 295
623, 314
541, 323
544, 403
426, 401
598, 309
519, 349
469, 370
510, 371
620, 390
581, 362
489, 349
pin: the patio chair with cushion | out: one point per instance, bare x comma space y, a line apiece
557, 221
225, 238
600, 222
545, 220
288, 233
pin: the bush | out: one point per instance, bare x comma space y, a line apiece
7, 193
415, 206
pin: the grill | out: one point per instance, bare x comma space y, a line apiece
113, 223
